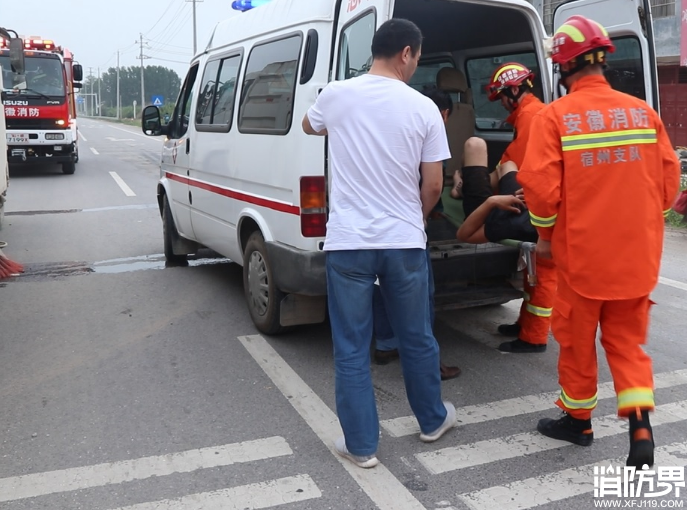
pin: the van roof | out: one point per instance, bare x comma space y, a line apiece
276, 15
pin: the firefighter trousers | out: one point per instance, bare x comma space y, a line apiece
624, 324
537, 305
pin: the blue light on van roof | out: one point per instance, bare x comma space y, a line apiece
245, 5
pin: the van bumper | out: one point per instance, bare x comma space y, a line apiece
297, 271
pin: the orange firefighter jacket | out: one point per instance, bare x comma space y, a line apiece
599, 177
521, 120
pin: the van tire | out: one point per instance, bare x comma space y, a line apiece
262, 295
169, 232
69, 167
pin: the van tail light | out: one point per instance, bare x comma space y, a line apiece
313, 207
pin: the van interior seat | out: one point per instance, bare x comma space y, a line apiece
461, 123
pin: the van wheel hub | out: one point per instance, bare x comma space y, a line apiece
257, 283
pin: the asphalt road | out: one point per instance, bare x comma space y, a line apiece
126, 385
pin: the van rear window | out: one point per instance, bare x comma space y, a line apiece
269, 86
488, 115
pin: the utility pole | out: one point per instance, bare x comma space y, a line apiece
194, 25
118, 112
100, 98
143, 96
90, 75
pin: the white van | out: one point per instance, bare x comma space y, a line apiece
239, 176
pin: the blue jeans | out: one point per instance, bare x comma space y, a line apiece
385, 340
350, 287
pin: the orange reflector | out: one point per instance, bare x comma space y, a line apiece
312, 193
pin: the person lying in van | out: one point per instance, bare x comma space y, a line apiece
501, 216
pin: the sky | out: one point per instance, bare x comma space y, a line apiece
95, 29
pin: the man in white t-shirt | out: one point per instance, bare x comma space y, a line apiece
380, 131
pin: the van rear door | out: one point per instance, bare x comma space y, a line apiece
632, 68
357, 22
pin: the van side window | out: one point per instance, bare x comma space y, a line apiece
269, 86
355, 53
625, 71
216, 101
182, 110
207, 93
488, 115
226, 90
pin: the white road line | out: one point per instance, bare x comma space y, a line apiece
467, 415
126, 189
672, 283
520, 445
40, 484
256, 495
533, 492
137, 134
382, 487
94, 151
82, 136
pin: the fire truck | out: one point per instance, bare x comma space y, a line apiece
17, 63
40, 110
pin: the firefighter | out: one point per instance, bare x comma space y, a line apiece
512, 84
599, 178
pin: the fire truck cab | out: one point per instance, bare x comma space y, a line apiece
40, 112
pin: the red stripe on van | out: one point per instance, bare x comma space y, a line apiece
263, 202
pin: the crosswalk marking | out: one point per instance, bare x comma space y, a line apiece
291, 489
40, 484
380, 485
467, 415
540, 490
492, 450
672, 283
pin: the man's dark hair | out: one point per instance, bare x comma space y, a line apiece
441, 99
393, 36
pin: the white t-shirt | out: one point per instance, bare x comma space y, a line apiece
380, 130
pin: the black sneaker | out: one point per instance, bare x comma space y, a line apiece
568, 429
641, 441
521, 347
509, 329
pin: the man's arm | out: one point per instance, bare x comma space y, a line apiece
309, 130
472, 229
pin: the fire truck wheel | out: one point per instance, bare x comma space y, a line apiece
69, 167
262, 295
169, 232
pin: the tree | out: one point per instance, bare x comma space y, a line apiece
159, 80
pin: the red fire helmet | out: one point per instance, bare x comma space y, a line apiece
511, 74
579, 36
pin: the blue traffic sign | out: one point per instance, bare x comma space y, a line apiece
79, 99
158, 101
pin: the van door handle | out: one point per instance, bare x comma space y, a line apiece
188, 145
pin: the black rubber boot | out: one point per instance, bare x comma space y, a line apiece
641, 440
568, 429
518, 346
509, 329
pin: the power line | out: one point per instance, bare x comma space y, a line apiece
168, 60
174, 28
170, 45
163, 15
174, 19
